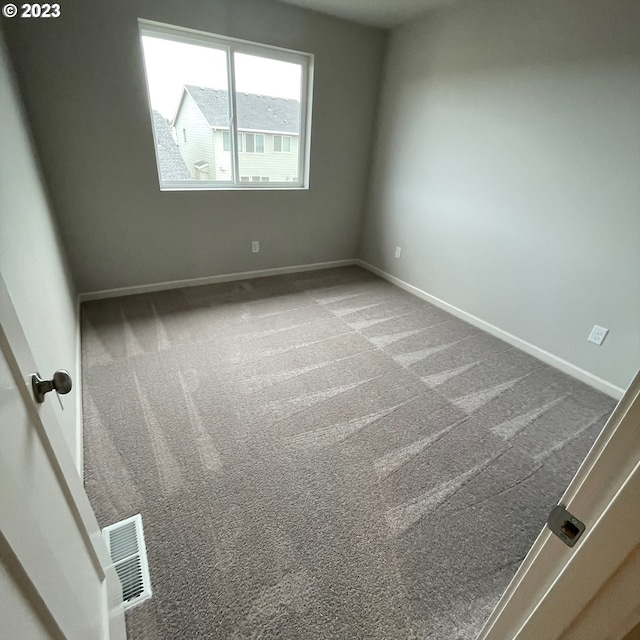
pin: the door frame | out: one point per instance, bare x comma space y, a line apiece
555, 583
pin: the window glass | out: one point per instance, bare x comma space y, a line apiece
268, 98
194, 114
186, 84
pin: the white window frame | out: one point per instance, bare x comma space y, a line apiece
232, 46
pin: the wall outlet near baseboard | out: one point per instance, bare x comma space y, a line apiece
598, 334
255, 246
398, 253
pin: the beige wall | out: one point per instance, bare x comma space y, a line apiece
83, 81
31, 257
507, 168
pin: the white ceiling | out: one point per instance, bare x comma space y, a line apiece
377, 13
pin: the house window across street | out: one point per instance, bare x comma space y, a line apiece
226, 144
282, 144
243, 107
254, 142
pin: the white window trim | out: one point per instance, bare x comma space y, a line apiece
231, 46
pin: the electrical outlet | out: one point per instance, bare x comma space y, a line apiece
598, 334
255, 246
398, 252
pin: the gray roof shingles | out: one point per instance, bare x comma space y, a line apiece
172, 166
254, 112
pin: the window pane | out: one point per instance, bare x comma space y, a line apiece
268, 95
255, 178
190, 104
188, 93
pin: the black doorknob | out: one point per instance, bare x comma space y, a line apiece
61, 382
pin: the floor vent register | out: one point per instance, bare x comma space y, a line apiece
125, 541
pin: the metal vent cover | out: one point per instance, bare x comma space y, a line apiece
125, 541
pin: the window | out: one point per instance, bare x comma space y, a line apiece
282, 144
233, 97
226, 144
254, 142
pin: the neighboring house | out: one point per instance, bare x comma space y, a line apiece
268, 135
172, 166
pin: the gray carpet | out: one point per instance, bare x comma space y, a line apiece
322, 455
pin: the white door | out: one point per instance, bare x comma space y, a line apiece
590, 591
55, 578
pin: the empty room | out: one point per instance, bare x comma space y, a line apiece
320, 319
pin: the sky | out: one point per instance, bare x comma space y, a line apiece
170, 65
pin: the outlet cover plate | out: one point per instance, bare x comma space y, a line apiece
255, 246
398, 253
598, 334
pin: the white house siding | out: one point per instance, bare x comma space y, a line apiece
279, 167
223, 158
199, 146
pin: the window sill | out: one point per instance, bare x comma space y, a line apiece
232, 188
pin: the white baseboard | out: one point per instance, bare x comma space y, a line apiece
194, 282
523, 345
